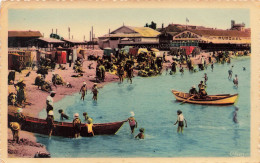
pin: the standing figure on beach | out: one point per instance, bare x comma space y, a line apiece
15, 128
20, 88
235, 81
83, 91
49, 102
76, 125
95, 92
70, 59
50, 123
180, 119
132, 122
230, 72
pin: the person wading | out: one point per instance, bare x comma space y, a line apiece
180, 121
205, 78
89, 125
235, 81
132, 122
76, 125
230, 72
50, 123
83, 91
95, 92
49, 102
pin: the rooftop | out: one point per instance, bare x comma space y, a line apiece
218, 32
50, 40
24, 34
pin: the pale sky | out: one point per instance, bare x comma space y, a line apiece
81, 20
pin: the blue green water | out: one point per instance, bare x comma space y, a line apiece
211, 130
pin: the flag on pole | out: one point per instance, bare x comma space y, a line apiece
187, 20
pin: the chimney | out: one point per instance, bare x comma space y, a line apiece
232, 23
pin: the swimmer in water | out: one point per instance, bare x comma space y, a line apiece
235, 115
141, 134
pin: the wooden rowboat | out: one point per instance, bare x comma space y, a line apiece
221, 99
65, 129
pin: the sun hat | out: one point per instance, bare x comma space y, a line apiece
52, 92
193, 86
14, 125
76, 115
50, 112
132, 113
84, 83
95, 83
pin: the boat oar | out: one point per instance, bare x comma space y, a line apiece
186, 100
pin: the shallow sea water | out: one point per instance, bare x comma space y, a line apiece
211, 131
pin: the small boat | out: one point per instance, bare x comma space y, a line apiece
220, 99
65, 129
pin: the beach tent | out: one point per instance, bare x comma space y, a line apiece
62, 55
154, 50
188, 49
144, 50
108, 51
133, 51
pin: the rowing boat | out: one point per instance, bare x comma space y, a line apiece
65, 129
220, 99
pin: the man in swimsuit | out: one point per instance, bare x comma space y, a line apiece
180, 122
83, 91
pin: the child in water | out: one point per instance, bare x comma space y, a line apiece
63, 115
180, 120
141, 134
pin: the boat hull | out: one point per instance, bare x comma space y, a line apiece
224, 99
65, 129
